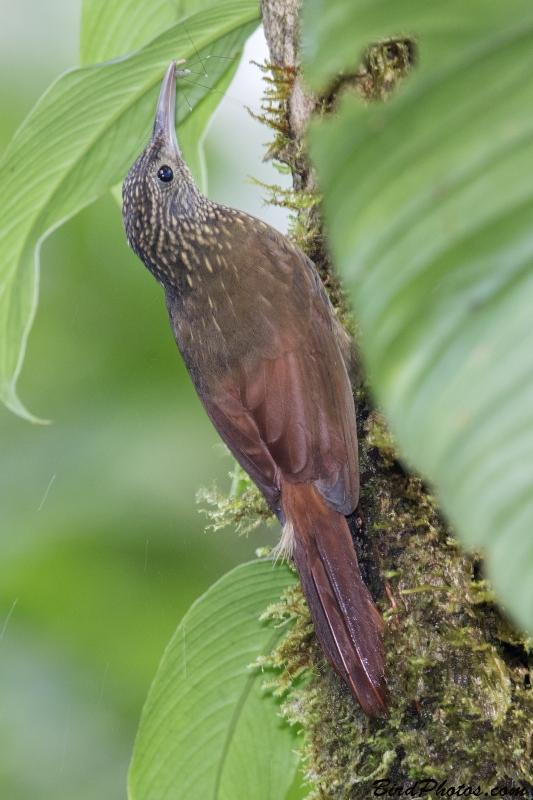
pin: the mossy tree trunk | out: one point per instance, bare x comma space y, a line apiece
459, 673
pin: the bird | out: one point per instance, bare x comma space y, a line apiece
269, 360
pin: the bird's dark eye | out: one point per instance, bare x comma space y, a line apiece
165, 174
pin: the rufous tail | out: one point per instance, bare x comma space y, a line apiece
347, 623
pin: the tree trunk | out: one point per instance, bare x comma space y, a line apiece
459, 673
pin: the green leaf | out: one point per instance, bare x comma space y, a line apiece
80, 140
207, 731
429, 202
184, 7
113, 28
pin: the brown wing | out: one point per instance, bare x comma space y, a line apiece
282, 401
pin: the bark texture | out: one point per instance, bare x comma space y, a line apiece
459, 672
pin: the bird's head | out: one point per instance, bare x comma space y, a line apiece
159, 189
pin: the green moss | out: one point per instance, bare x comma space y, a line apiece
245, 507
383, 67
297, 653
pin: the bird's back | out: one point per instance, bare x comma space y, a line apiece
262, 342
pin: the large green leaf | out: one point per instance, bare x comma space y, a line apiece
429, 201
207, 731
112, 28
80, 140
184, 7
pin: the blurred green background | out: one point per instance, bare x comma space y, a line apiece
102, 549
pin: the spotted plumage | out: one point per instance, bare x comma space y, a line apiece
267, 356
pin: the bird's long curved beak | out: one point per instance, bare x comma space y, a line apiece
165, 114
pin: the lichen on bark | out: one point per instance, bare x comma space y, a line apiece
459, 673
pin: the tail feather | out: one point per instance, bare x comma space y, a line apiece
347, 623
